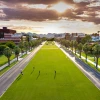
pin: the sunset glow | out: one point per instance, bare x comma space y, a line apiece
61, 7
55, 16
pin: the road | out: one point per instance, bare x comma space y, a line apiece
90, 73
8, 78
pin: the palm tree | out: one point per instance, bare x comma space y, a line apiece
80, 48
86, 39
17, 51
96, 50
21, 46
86, 49
8, 53
75, 44
71, 45
67, 44
30, 45
26, 46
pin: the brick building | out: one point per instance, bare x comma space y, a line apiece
74, 36
7, 35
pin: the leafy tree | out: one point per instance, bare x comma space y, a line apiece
67, 44
21, 46
26, 46
11, 44
2, 47
30, 45
71, 45
86, 49
80, 48
8, 53
96, 51
75, 44
86, 39
17, 51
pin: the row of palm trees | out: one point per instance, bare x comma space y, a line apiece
23, 46
87, 48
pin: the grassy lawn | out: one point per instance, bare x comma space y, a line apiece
3, 59
67, 84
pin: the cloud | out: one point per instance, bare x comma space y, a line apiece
32, 1
19, 12
70, 15
30, 14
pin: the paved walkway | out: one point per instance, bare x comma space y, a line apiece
90, 73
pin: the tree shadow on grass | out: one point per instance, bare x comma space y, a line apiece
38, 75
19, 77
55, 75
32, 71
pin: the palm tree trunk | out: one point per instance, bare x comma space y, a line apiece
97, 63
72, 49
26, 51
86, 57
17, 57
22, 52
8, 61
75, 51
80, 54
94, 58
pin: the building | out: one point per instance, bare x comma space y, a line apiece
7, 31
9, 35
74, 36
68, 36
59, 36
95, 37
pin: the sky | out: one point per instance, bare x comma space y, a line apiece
51, 16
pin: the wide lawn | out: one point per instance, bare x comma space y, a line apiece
59, 79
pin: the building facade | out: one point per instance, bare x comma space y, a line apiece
9, 35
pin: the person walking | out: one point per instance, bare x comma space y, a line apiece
39, 71
21, 72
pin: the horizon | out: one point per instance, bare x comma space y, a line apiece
51, 16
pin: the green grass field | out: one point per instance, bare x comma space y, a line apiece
67, 84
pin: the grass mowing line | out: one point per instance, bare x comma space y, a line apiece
69, 84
